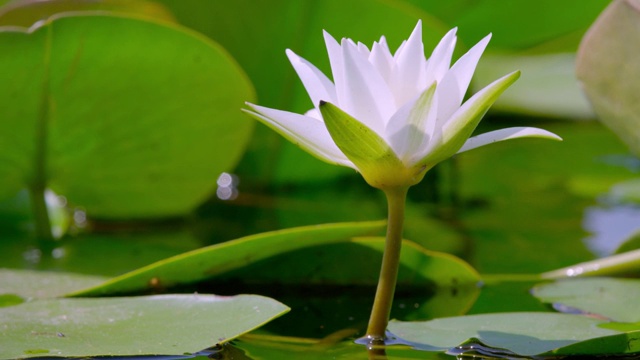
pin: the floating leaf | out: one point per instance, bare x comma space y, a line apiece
608, 68
615, 299
625, 343
148, 325
524, 334
623, 263
41, 284
126, 117
214, 260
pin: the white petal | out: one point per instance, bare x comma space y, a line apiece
456, 82
440, 60
306, 132
506, 134
366, 95
409, 65
382, 60
364, 50
407, 128
335, 60
318, 86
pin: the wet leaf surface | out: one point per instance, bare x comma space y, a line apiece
149, 325
525, 334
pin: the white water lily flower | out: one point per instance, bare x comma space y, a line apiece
390, 116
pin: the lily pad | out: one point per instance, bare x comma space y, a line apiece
110, 110
218, 259
623, 263
41, 284
26, 12
615, 299
148, 325
524, 334
607, 67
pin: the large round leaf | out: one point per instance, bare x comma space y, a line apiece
128, 118
608, 67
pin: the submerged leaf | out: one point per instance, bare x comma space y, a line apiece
147, 325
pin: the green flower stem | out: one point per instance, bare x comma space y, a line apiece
379, 319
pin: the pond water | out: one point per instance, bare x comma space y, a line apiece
508, 209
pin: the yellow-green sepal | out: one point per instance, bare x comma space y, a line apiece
370, 153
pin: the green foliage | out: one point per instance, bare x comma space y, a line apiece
447, 285
146, 325
607, 68
214, 260
101, 111
29, 284
626, 263
614, 299
523, 334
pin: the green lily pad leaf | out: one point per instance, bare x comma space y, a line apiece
26, 12
146, 325
625, 343
615, 299
607, 67
117, 121
41, 284
623, 263
217, 259
524, 333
